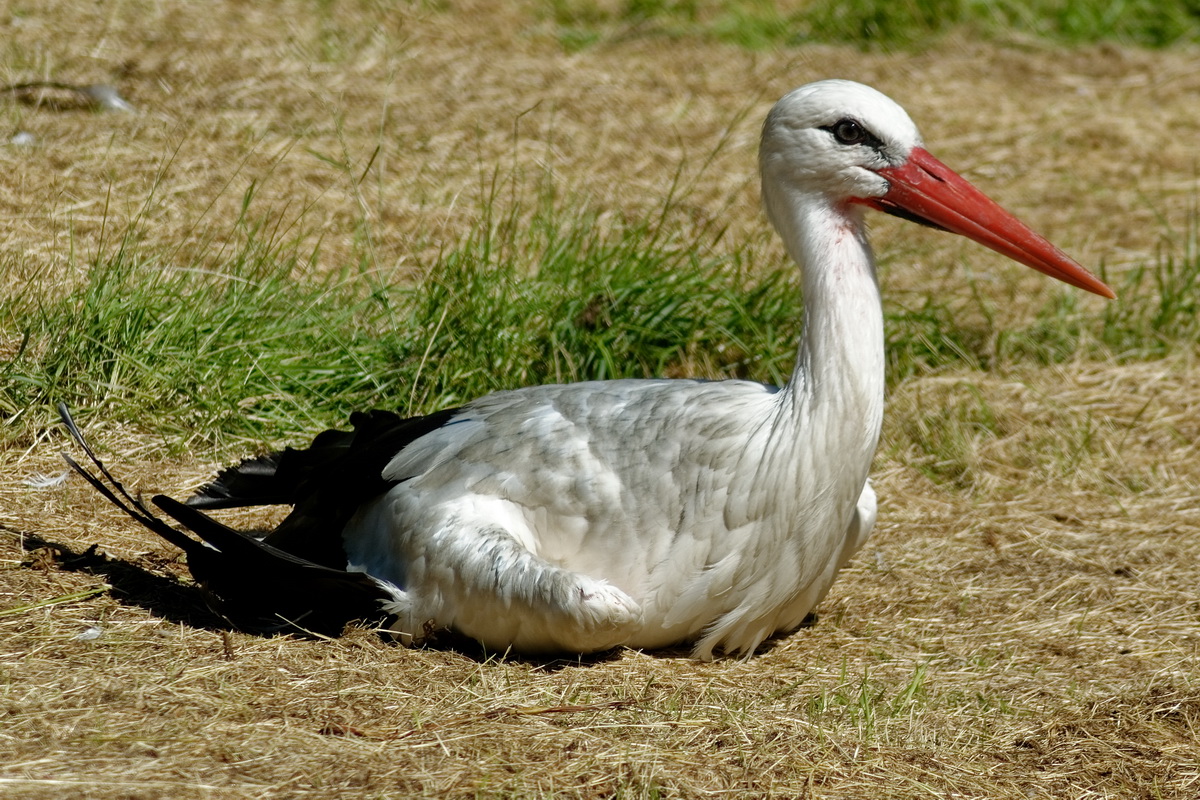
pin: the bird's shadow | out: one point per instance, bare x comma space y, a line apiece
132, 585
178, 602
181, 603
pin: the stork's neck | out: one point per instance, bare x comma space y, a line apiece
836, 389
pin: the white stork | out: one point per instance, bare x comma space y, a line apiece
643, 513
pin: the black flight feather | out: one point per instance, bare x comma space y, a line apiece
272, 584
325, 483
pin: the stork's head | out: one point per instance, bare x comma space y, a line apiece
836, 143
833, 137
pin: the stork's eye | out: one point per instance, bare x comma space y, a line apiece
848, 131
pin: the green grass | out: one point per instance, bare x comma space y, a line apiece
261, 345
882, 24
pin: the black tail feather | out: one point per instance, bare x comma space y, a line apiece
255, 586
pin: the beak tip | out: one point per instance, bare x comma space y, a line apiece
1103, 289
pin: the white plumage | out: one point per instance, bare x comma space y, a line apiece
647, 513
580, 517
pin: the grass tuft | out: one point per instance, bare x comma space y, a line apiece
264, 345
880, 24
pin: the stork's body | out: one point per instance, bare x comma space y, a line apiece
644, 513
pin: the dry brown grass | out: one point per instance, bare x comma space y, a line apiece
1025, 625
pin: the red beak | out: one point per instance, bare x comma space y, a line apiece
927, 191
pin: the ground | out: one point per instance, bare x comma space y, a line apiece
1025, 621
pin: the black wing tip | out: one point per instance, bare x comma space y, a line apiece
68, 421
261, 589
115, 492
255, 586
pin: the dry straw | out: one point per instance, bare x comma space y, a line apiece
1025, 623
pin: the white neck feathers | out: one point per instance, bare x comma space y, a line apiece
832, 408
